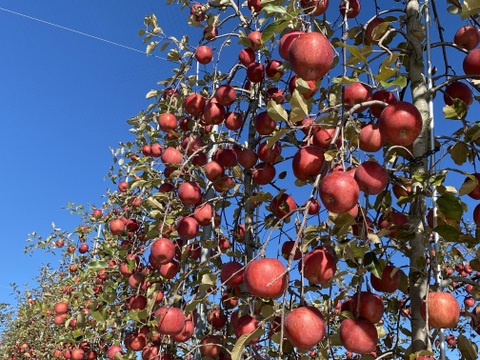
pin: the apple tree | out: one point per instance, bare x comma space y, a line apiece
302, 185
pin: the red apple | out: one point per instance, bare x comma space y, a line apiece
283, 205
272, 70
471, 63
214, 112
400, 123
358, 335
162, 251
353, 8
476, 215
117, 227
171, 156
467, 37
381, 95
308, 162
60, 308
203, 214
389, 280
246, 56
311, 56
264, 124
317, 7
442, 308
170, 320
112, 350
371, 177
246, 324
167, 122
211, 346
187, 228
356, 93
226, 157
306, 93
255, 72
255, 38
339, 192
233, 121
369, 30
194, 104
247, 158
186, 333
270, 152
266, 278
367, 305
286, 41
369, 138
203, 54
475, 193
458, 90
190, 192
393, 221
225, 95
304, 327
254, 5
287, 249
322, 137
210, 32
214, 170
169, 270
232, 273
216, 318
318, 266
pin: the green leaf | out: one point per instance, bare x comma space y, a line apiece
272, 29
459, 152
276, 111
399, 81
357, 54
173, 55
270, 9
237, 351
451, 206
299, 107
372, 264
456, 111
277, 135
151, 46
449, 233
468, 185
96, 265
469, 8
468, 349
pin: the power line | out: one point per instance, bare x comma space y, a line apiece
76, 31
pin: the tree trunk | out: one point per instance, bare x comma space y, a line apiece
418, 276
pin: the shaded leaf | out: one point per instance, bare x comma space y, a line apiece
448, 232
372, 264
468, 349
451, 206
459, 152
276, 111
237, 351
469, 8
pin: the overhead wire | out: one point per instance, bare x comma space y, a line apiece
78, 32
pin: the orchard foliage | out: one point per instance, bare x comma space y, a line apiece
289, 193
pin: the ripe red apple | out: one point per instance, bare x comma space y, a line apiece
247, 158
203, 54
471, 63
356, 93
60, 308
264, 124
308, 162
117, 227
214, 112
203, 214
112, 350
443, 310
226, 157
476, 215
210, 32
370, 139
367, 305
467, 37
317, 7
269, 153
304, 327
311, 56
135, 342
246, 324
283, 205
187, 228
194, 104
381, 95
169, 270
400, 123
255, 38
214, 170
393, 221
353, 8
389, 281
216, 317
190, 192
372, 178
323, 137
233, 121
167, 122
286, 41
273, 70
197, 12
123, 186
186, 333
171, 156
246, 56
287, 249
232, 273
458, 90
82, 249
254, 5
266, 278
162, 251
225, 95
255, 72
211, 346
339, 192
358, 335
318, 266
170, 320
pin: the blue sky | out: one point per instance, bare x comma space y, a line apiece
65, 98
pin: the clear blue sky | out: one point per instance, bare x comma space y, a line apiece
64, 101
